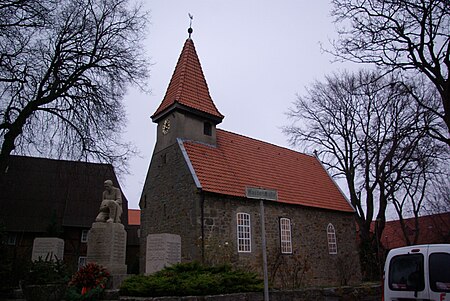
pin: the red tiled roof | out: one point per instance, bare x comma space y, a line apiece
239, 162
432, 229
134, 217
188, 85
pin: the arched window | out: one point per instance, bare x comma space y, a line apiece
243, 232
285, 236
332, 244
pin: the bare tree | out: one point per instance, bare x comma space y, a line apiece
437, 205
400, 34
368, 131
64, 69
438, 201
23, 13
429, 161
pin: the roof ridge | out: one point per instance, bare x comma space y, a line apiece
269, 143
61, 160
432, 215
183, 140
182, 78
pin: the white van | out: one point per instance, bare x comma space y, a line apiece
419, 272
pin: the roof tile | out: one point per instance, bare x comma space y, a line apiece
239, 162
432, 229
188, 85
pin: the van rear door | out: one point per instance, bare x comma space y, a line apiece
406, 274
439, 272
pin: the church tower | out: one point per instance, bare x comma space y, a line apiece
187, 110
169, 204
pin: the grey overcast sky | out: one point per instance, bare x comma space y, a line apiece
256, 56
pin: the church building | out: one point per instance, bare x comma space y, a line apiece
211, 187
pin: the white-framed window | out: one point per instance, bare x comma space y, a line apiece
84, 235
331, 235
243, 233
285, 236
82, 261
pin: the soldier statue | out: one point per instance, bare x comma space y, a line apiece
111, 206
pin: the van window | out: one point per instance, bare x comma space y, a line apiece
440, 272
406, 273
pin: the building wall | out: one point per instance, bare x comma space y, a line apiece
170, 203
310, 264
186, 126
21, 251
73, 247
132, 256
16, 255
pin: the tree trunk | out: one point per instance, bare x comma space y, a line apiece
14, 131
7, 147
446, 103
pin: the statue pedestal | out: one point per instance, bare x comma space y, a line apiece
106, 246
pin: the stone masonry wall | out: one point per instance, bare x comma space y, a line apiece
170, 203
310, 264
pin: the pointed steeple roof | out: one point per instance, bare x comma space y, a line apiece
188, 88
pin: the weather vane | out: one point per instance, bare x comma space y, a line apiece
190, 30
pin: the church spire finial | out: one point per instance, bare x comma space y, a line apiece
190, 30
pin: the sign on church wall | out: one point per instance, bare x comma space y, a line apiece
261, 194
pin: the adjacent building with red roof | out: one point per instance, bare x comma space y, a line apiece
430, 229
209, 185
134, 217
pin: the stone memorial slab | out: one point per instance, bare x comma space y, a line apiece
163, 250
107, 246
50, 248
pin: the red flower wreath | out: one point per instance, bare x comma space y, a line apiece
89, 277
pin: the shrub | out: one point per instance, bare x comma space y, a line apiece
191, 279
46, 271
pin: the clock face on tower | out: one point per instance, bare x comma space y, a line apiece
166, 126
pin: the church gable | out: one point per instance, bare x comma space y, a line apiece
239, 162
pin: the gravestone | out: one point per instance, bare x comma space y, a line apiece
50, 248
106, 246
163, 250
